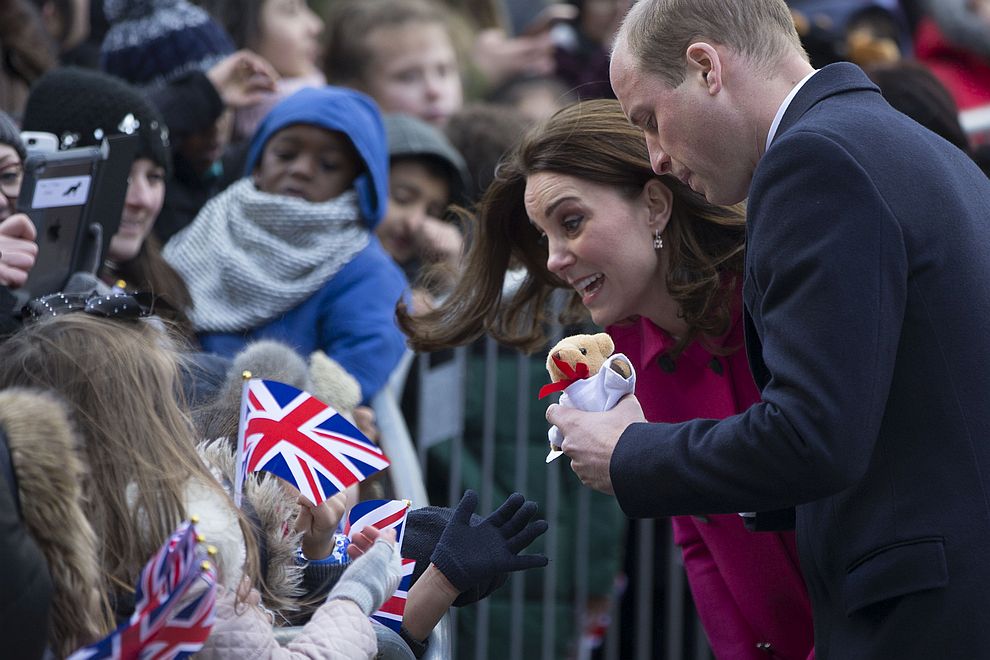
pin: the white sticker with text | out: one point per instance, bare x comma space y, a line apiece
61, 191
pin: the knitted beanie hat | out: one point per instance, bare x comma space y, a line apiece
81, 107
10, 136
424, 527
151, 42
409, 137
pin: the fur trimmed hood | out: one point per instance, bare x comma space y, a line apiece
274, 510
49, 473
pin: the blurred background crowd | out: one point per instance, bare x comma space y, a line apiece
435, 92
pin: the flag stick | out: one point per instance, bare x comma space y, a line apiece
242, 422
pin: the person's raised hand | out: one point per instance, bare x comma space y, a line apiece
469, 555
373, 577
500, 57
362, 541
243, 79
18, 250
318, 523
440, 241
590, 438
364, 420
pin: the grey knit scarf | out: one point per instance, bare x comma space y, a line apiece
250, 256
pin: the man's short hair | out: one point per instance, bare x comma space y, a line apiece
657, 33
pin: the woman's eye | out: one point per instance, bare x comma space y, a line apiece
572, 222
285, 155
329, 167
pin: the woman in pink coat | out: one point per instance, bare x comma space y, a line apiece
578, 205
748, 587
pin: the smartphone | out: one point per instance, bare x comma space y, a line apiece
39, 141
56, 187
74, 198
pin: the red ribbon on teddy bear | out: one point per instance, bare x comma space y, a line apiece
579, 371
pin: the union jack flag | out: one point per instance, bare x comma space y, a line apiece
392, 610
168, 622
381, 514
297, 437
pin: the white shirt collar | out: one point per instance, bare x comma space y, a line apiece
783, 108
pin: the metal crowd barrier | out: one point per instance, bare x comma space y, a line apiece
441, 384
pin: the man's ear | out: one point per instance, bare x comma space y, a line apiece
660, 202
705, 65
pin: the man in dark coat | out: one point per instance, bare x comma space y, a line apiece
865, 290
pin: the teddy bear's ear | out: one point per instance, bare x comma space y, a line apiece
605, 343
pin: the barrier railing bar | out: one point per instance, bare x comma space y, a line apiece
644, 591
519, 479
674, 626
550, 575
487, 477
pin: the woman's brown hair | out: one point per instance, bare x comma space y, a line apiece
591, 140
120, 381
148, 272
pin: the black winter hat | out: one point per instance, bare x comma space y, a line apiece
423, 529
81, 107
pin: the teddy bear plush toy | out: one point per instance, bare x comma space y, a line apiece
589, 376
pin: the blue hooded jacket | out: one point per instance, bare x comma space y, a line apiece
346, 111
352, 317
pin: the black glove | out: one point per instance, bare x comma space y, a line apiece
469, 554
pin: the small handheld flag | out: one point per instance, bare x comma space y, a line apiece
394, 608
297, 437
380, 514
174, 605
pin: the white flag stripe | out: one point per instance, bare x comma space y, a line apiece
384, 511
387, 615
292, 455
300, 476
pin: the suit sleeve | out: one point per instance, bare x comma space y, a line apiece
826, 286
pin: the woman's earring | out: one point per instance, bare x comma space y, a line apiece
657, 240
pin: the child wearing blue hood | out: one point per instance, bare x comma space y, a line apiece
288, 252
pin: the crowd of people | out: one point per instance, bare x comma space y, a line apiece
732, 190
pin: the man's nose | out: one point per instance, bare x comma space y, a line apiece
659, 160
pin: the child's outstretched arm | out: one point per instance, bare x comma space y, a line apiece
468, 555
